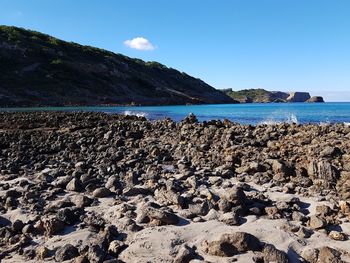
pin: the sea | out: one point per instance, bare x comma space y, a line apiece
254, 114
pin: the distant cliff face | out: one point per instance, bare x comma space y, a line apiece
264, 96
39, 70
298, 97
315, 99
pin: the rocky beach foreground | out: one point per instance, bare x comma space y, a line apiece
95, 187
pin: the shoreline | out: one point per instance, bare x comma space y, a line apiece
292, 119
95, 186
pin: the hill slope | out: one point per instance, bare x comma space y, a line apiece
256, 95
40, 70
264, 96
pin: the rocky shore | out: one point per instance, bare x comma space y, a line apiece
93, 187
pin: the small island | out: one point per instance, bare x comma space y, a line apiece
264, 96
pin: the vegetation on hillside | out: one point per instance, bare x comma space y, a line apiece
256, 95
38, 69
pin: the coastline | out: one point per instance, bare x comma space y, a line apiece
253, 113
114, 186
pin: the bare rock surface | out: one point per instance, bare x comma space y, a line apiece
94, 187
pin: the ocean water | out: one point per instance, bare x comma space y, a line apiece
259, 113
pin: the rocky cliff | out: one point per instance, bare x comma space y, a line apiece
40, 70
264, 96
315, 99
298, 96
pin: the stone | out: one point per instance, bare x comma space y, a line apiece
323, 170
81, 200
42, 252
235, 196
152, 211
230, 219
96, 254
344, 207
169, 197
66, 252
184, 255
198, 209
67, 215
224, 205
229, 245
298, 216
101, 192
17, 226
272, 254
337, 235
82, 259
272, 212
28, 229
74, 185
329, 255
53, 226
316, 222
303, 232
310, 255
137, 190
113, 183
115, 247
4, 222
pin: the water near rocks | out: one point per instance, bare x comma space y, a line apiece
257, 113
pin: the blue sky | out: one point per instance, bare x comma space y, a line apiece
288, 45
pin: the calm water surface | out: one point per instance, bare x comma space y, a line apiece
241, 113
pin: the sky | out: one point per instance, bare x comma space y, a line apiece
286, 45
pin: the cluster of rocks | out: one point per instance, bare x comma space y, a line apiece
81, 186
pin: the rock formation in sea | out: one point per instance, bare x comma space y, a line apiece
315, 99
298, 97
264, 96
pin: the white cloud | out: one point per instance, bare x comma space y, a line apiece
139, 43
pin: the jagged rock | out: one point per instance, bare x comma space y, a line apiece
315, 99
272, 254
115, 247
235, 196
138, 190
4, 222
67, 215
298, 97
329, 255
152, 212
317, 223
53, 226
17, 226
96, 254
42, 252
184, 255
272, 212
101, 192
169, 197
344, 207
81, 201
74, 185
323, 170
337, 235
230, 218
229, 245
66, 252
